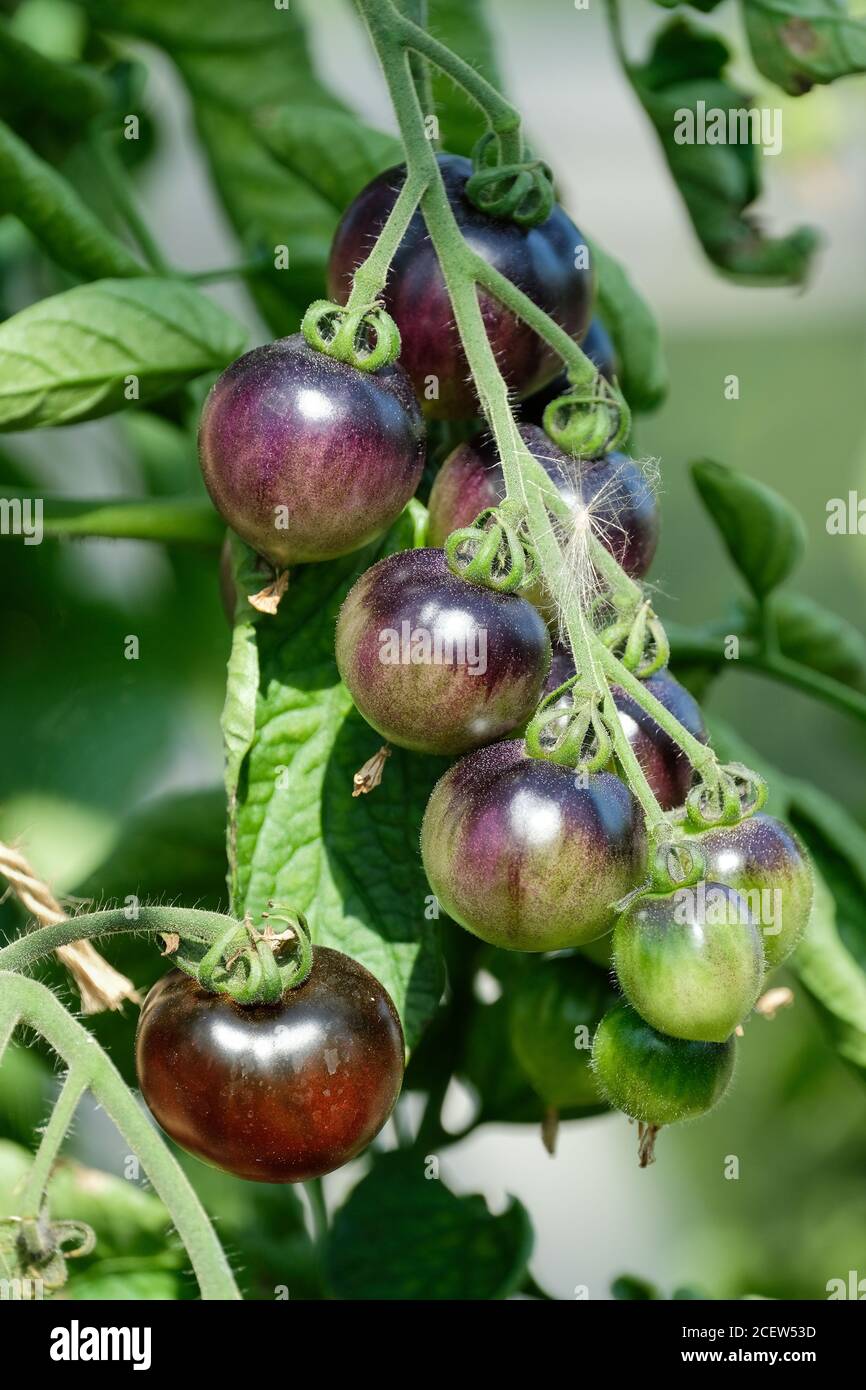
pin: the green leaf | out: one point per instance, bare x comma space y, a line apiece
31, 83
630, 1287
814, 636
71, 357
718, 182
462, 25
831, 974
332, 151
764, 535
296, 834
798, 43
57, 217
174, 520
402, 1235
627, 317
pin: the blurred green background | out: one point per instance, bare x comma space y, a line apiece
91, 740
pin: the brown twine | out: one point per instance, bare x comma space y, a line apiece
99, 984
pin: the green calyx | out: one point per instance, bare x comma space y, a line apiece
366, 338
640, 642
494, 551
36, 1248
589, 420
520, 192
251, 966
571, 734
732, 794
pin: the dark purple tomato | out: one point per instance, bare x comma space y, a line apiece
690, 961
665, 766
525, 857
622, 504
539, 260
307, 458
598, 347
279, 1092
435, 663
765, 861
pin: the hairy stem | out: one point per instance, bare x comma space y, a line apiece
188, 922
371, 275
53, 1135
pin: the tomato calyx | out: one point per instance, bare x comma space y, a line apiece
590, 419
732, 794
251, 966
520, 192
494, 551
569, 728
639, 641
366, 337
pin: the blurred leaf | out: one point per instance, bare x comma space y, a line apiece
632, 1288
764, 535
57, 217
797, 43
813, 635
176, 521
462, 25
829, 972
293, 743
643, 370
25, 1087
69, 357
332, 151
402, 1235
718, 182
31, 83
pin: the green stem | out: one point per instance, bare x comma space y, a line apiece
36, 1007
114, 174
371, 275
318, 1209
188, 922
702, 758
687, 646
225, 272
416, 11
33, 1195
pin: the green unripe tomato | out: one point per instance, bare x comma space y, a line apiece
691, 961
655, 1078
766, 862
555, 1004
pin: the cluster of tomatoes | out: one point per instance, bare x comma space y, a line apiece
307, 458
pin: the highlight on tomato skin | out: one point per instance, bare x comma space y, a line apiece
273, 1093
436, 663
524, 856
539, 260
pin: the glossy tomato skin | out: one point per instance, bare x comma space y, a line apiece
307, 458
554, 1007
598, 347
626, 513
539, 260
654, 1078
690, 962
523, 856
273, 1093
766, 862
435, 663
665, 766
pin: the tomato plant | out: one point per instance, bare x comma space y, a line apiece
477, 831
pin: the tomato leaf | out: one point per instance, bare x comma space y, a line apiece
296, 834
73, 356
55, 214
718, 182
332, 151
798, 43
643, 370
175, 520
813, 635
32, 84
764, 535
397, 1211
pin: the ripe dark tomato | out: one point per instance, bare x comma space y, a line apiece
305, 457
523, 856
539, 260
665, 766
690, 962
435, 663
599, 349
766, 862
555, 1005
273, 1093
654, 1078
621, 502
